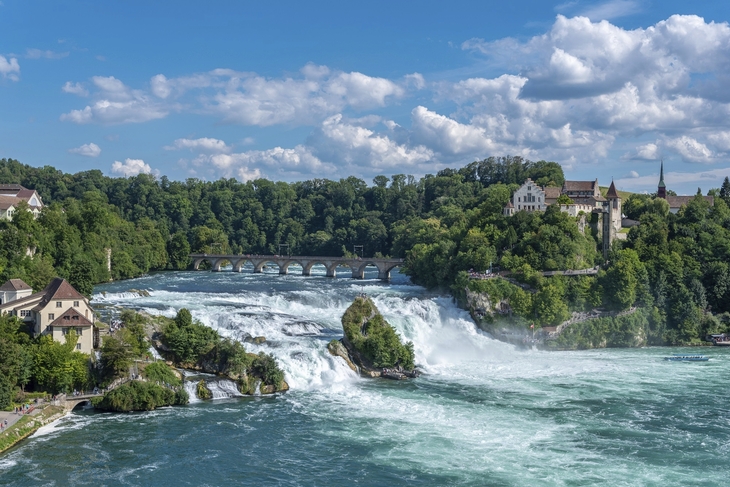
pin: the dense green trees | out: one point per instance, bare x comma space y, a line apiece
58, 367
140, 396
153, 224
49, 365
442, 224
188, 340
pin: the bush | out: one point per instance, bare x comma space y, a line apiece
160, 372
188, 339
202, 390
138, 396
265, 367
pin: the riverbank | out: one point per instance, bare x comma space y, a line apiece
27, 424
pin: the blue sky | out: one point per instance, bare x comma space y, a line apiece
298, 90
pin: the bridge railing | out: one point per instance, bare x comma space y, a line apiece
294, 257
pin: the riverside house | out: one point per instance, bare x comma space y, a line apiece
55, 311
12, 194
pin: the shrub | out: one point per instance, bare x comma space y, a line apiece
138, 396
160, 372
265, 367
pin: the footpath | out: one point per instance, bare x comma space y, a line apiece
21, 425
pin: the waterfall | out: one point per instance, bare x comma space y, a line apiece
222, 388
191, 389
219, 388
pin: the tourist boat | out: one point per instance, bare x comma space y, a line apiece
681, 357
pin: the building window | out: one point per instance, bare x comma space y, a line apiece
51, 317
64, 330
79, 331
24, 313
76, 304
59, 304
78, 346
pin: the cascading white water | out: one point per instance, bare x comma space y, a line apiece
298, 324
484, 413
222, 388
191, 388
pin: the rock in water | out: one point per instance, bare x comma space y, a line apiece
371, 344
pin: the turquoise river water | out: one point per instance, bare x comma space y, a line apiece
483, 413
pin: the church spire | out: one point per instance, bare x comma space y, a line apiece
662, 189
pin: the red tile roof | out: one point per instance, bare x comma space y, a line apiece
679, 201
61, 289
6, 201
579, 185
71, 317
14, 285
552, 192
612, 191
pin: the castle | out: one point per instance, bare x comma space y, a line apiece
586, 199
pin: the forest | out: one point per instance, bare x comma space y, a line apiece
674, 266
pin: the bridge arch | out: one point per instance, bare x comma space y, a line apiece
238, 264
307, 268
258, 266
332, 269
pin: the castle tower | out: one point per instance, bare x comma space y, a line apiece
610, 219
614, 202
662, 189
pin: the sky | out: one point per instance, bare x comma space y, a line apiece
292, 90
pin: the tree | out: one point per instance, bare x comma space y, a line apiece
116, 358
550, 308
81, 276
622, 279
564, 199
725, 190
57, 366
178, 251
6, 392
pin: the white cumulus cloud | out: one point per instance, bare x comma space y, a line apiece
75, 89
88, 150
131, 167
204, 144
645, 152
245, 98
9, 68
117, 103
691, 149
38, 54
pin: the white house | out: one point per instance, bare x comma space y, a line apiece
529, 197
56, 310
12, 194
14, 289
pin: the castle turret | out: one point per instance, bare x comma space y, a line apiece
614, 202
662, 189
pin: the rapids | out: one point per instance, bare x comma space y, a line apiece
483, 413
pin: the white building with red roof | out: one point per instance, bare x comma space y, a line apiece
11, 195
56, 310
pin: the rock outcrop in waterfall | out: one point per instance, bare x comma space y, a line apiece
371, 345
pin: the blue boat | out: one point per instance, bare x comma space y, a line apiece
682, 357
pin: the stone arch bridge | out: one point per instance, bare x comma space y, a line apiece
357, 265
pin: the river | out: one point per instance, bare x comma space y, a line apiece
483, 413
